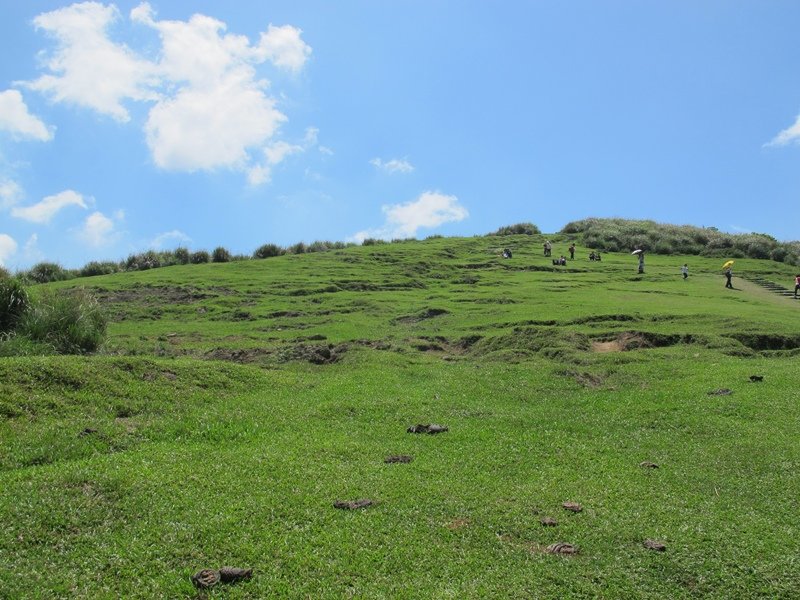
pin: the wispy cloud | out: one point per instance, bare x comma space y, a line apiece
8, 247
45, 210
395, 165
429, 210
21, 124
169, 238
209, 108
10, 193
787, 136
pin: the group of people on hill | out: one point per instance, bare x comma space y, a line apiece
595, 256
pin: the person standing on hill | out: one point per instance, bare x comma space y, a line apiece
572, 251
728, 276
796, 285
641, 262
685, 271
547, 248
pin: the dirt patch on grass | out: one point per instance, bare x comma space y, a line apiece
767, 341
428, 313
156, 295
457, 524
638, 340
586, 379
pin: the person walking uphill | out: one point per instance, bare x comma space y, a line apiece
572, 252
685, 271
796, 285
728, 275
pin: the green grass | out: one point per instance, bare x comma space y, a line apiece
121, 474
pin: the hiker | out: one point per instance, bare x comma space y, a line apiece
506, 253
685, 271
563, 260
728, 275
592, 255
796, 284
572, 251
641, 262
547, 248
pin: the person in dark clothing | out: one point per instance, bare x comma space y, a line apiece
572, 252
728, 276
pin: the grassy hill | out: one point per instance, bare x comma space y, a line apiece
234, 403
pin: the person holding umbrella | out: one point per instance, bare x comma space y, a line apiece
640, 252
728, 274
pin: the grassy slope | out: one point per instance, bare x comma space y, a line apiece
198, 463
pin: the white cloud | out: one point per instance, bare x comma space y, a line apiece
276, 152
211, 128
45, 210
787, 136
10, 193
169, 238
31, 250
429, 210
98, 230
8, 247
284, 48
88, 69
395, 165
15, 118
210, 109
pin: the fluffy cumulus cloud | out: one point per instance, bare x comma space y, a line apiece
428, 211
87, 68
395, 165
209, 108
44, 211
98, 230
15, 118
788, 135
8, 247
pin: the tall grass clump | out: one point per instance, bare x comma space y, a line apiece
4, 273
142, 261
95, 268
518, 229
45, 272
200, 257
68, 322
182, 255
14, 303
220, 255
268, 251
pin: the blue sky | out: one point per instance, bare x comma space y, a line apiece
133, 125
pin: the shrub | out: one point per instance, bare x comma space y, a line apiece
220, 255
98, 268
298, 248
372, 242
518, 229
4, 274
201, 256
69, 322
45, 272
268, 251
142, 261
182, 255
14, 303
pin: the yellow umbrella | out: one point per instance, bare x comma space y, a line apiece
727, 264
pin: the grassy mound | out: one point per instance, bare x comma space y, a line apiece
235, 402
